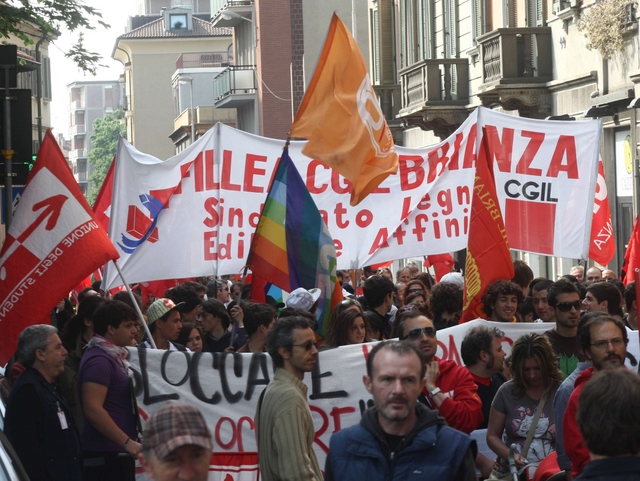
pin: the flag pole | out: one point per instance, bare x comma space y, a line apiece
136, 306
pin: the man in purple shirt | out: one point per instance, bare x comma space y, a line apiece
110, 436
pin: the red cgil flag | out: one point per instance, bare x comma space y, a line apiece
53, 243
488, 255
602, 245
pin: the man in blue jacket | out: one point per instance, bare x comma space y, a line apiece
398, 438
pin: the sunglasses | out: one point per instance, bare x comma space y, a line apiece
307, 345
413, 291
415, 334
566, 306
350, 302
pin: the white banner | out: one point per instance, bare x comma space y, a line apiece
226, 388
195, 213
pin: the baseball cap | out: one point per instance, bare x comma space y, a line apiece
302, 298
453, 278
174, 425
160, 307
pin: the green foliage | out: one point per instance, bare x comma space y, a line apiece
46, 18
104, 143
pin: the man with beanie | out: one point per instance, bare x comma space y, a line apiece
176, 445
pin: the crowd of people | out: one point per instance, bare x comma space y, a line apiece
561, 398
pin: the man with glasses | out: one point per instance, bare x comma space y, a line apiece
564, 300
604, 341
449, 387
284, 425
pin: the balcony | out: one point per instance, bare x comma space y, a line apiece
77, 154
242, 8
435, 95
389, 100
235, 87
203, 60
206, 117
81, 177
516, 65
77, 105
77, 130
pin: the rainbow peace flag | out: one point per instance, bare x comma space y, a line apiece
292, 246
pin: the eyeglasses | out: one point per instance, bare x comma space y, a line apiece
307, 345
413, 291
415, 334
602, 345
566, 306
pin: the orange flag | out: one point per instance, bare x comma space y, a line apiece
488, 255
341, 118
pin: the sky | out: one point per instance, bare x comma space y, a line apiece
101, 40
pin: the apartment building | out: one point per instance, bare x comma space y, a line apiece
88, 101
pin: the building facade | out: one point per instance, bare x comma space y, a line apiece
276, 45
434, 61
149, 54
88, 101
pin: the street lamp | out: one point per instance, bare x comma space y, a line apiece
189, 80
229, 14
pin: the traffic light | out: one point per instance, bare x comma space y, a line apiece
21, 134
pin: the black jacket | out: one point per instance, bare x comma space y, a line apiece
35, 429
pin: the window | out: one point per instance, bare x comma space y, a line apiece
416, 31
46, 78
178, 21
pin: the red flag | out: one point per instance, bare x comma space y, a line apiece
102, 205
442, 263
488, 255
158, 288
602, 245
632, 256
53, 243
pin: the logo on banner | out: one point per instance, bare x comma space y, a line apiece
531, 200
140, 226
373, 119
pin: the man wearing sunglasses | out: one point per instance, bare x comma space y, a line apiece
449, 387
564, 299
284, 426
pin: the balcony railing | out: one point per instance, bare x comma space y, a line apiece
217, 5
434, 82
237, 81
516, 55
77, 129
203, 60
389, 98
77, 153
77, 105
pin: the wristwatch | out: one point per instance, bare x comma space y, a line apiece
434, 392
